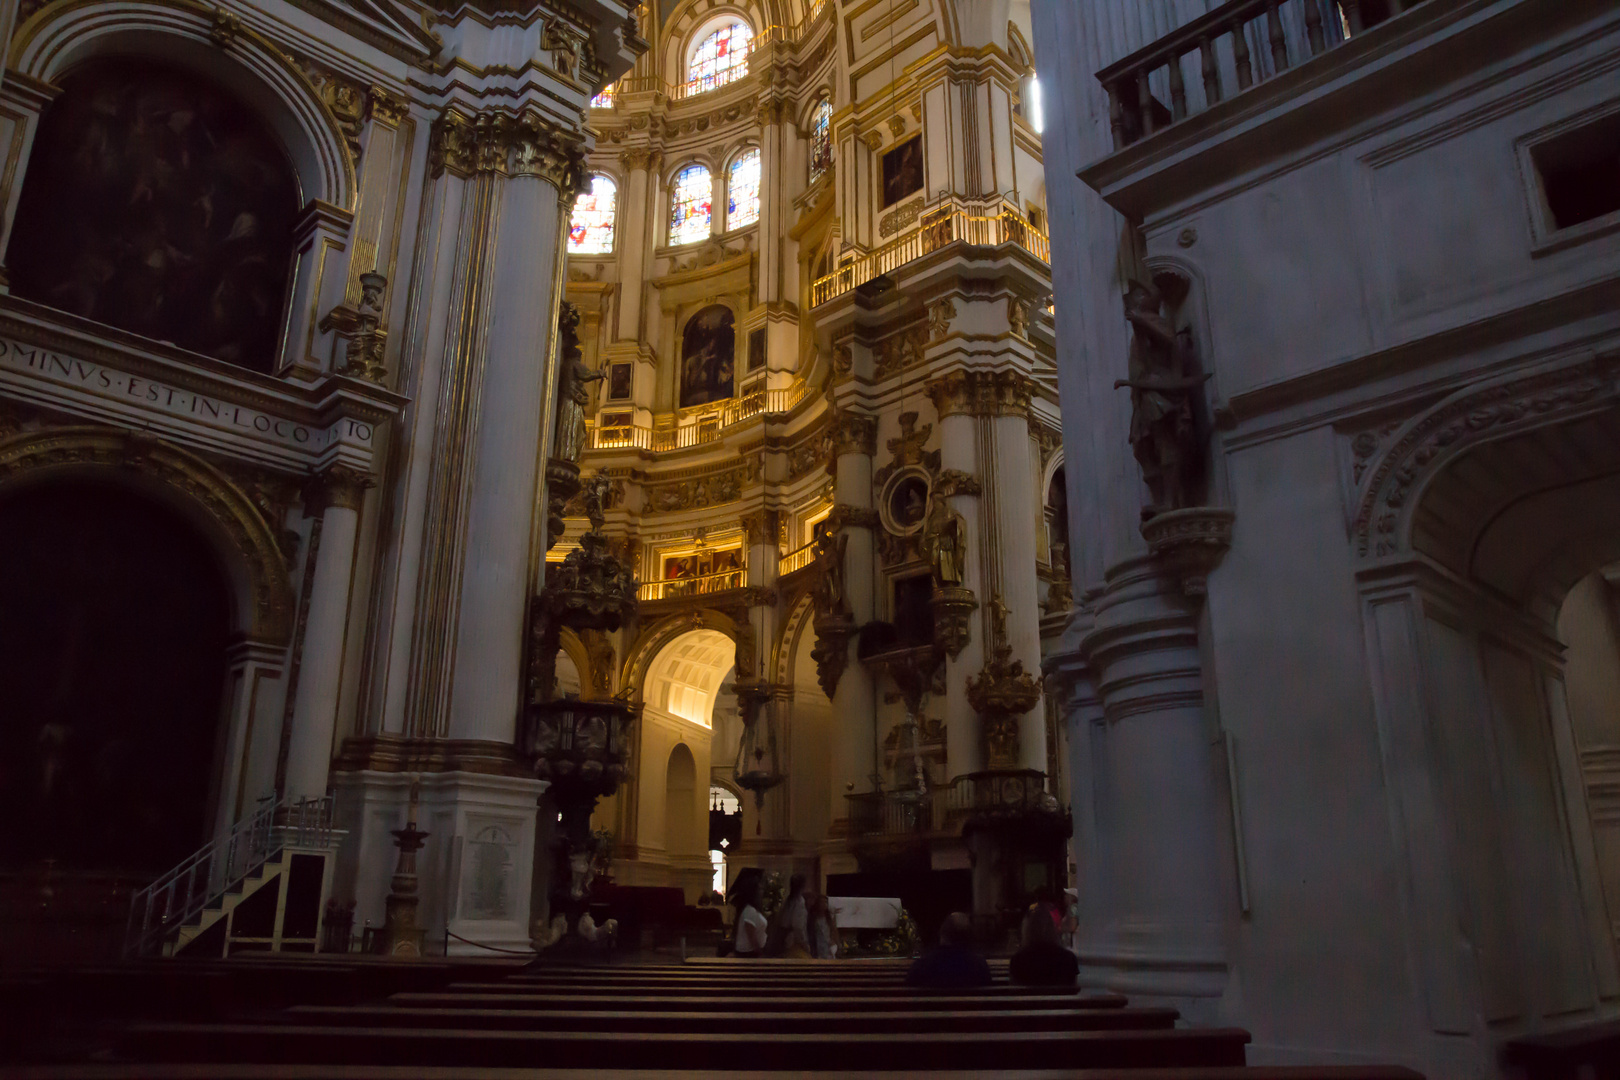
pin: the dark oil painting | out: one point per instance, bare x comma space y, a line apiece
756, 349
902, 170
157, 203
619, 382
708, 356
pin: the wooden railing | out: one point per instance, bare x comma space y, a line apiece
1237, 45
698, 428
980, 224
797, 559
693, 586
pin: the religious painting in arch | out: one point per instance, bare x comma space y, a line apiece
902, 170
708, 356
158, 203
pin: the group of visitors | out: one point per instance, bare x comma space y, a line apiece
955, 965
802, 928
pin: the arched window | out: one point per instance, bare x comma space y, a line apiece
719, 57
159, 203
689, 205
605, 99
742, 190
820, 140
590, 229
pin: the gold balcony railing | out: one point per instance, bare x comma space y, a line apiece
693, 586
985, 225
698, 427
797, 559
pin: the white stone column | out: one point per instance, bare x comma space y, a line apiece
334, 496
959, 452
770, 203
1011, 494
528, 226
630, 236
854, 704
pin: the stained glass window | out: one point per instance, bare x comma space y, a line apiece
820, 140
604, 100
719, 58
689, 205
742, 191
590, 230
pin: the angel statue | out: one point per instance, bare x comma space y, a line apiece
1163, 380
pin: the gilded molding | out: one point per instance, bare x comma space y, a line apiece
388, 108
956, 482
981, 393
271, 616
940, 314
854, 433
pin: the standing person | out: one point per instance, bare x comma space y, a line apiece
823, 929
1040, 960
749, 939
953, 965
790, 926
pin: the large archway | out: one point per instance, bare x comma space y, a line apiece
114, 621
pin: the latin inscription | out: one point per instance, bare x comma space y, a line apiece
175, 400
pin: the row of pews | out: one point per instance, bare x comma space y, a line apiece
714, 1018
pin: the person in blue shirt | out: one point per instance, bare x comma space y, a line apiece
953, 965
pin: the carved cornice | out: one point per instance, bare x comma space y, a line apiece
336, 486
982, 393
497, 142
854, 433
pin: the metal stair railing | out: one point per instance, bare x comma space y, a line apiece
172, 900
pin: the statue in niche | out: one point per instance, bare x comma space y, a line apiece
1163, 380
830, 597
945, 541
572, 392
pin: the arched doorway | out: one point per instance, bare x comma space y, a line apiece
158, 203
114, 621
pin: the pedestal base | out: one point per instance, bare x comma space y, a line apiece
475, 868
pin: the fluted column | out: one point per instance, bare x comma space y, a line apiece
539, 168
854, 706
333, 499
959, 462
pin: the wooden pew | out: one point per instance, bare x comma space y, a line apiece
985, 1051
482, 996
395, 1072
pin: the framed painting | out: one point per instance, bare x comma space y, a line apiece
902, 170
708, 356
619, 382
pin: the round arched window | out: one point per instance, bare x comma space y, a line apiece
718, 57
590, 228
742, 190
690, 205
158, 203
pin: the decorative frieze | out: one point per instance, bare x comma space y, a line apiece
811, 454
899, 352
844, 515
694, 493
901, 217
982, 393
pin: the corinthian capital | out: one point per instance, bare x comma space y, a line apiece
335, 486
497, 142
981, 393
854, 433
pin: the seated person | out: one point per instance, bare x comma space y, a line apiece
1040, 960
751, 924
953, 965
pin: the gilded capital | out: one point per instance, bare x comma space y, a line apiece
337, 486
854, 433
496, 142
981, 393
844, 516
387, 108
635, 159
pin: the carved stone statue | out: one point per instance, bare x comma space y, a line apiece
598, 496
945, 541
572, 392
830, 596
1163, 380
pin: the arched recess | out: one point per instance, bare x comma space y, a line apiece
215, 43
262, 596
1472, 522
681, 836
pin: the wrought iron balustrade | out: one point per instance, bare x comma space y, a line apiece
981, 224
1225, 52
